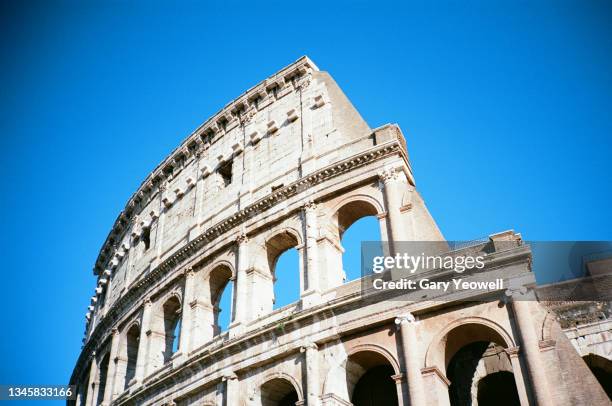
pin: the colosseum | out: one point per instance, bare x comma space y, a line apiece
291, 164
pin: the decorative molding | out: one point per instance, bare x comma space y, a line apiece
405, 208
398, 378
407, 318
513, 351
140, 287
292, 115
435, 371
547, 345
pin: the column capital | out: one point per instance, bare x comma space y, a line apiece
310, 205
513, 351
148, 302
398, 378
405, 319
189, 271
516, 293
229, 376
308, 345
114, 331
389, 175
242, 238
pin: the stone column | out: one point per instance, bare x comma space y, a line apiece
232, 390
312, 291
111, 371
92, 382
311, 357
187, 313
141, 358
521, 307
241, 286
393, 190
513, 354
412, 367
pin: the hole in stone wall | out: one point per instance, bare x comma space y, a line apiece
146, 238
226, 173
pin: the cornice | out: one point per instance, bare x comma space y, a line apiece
138, 289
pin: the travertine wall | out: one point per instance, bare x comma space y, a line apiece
304, 167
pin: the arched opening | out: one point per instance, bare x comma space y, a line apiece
498, 389
284, 265
102, 378
358, 223
478, 366
602, 370
369, 379
132, 340
278, 392
172, 323
221, 295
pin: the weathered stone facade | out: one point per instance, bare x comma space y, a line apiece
291, 163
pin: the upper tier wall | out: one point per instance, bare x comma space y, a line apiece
300, 122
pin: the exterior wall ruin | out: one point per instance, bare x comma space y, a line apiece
291, 163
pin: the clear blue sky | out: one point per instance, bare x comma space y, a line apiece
506, 107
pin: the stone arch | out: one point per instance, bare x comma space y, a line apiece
128, 355
276, 244
171, 307
216, 264
103, 378
219, 277
437, 354
370, 371
165, 317
547, 325
469, 351
601, 368
342, 377
279, 241
279, 389
353, 207
339, 218
377, 349
211, 281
